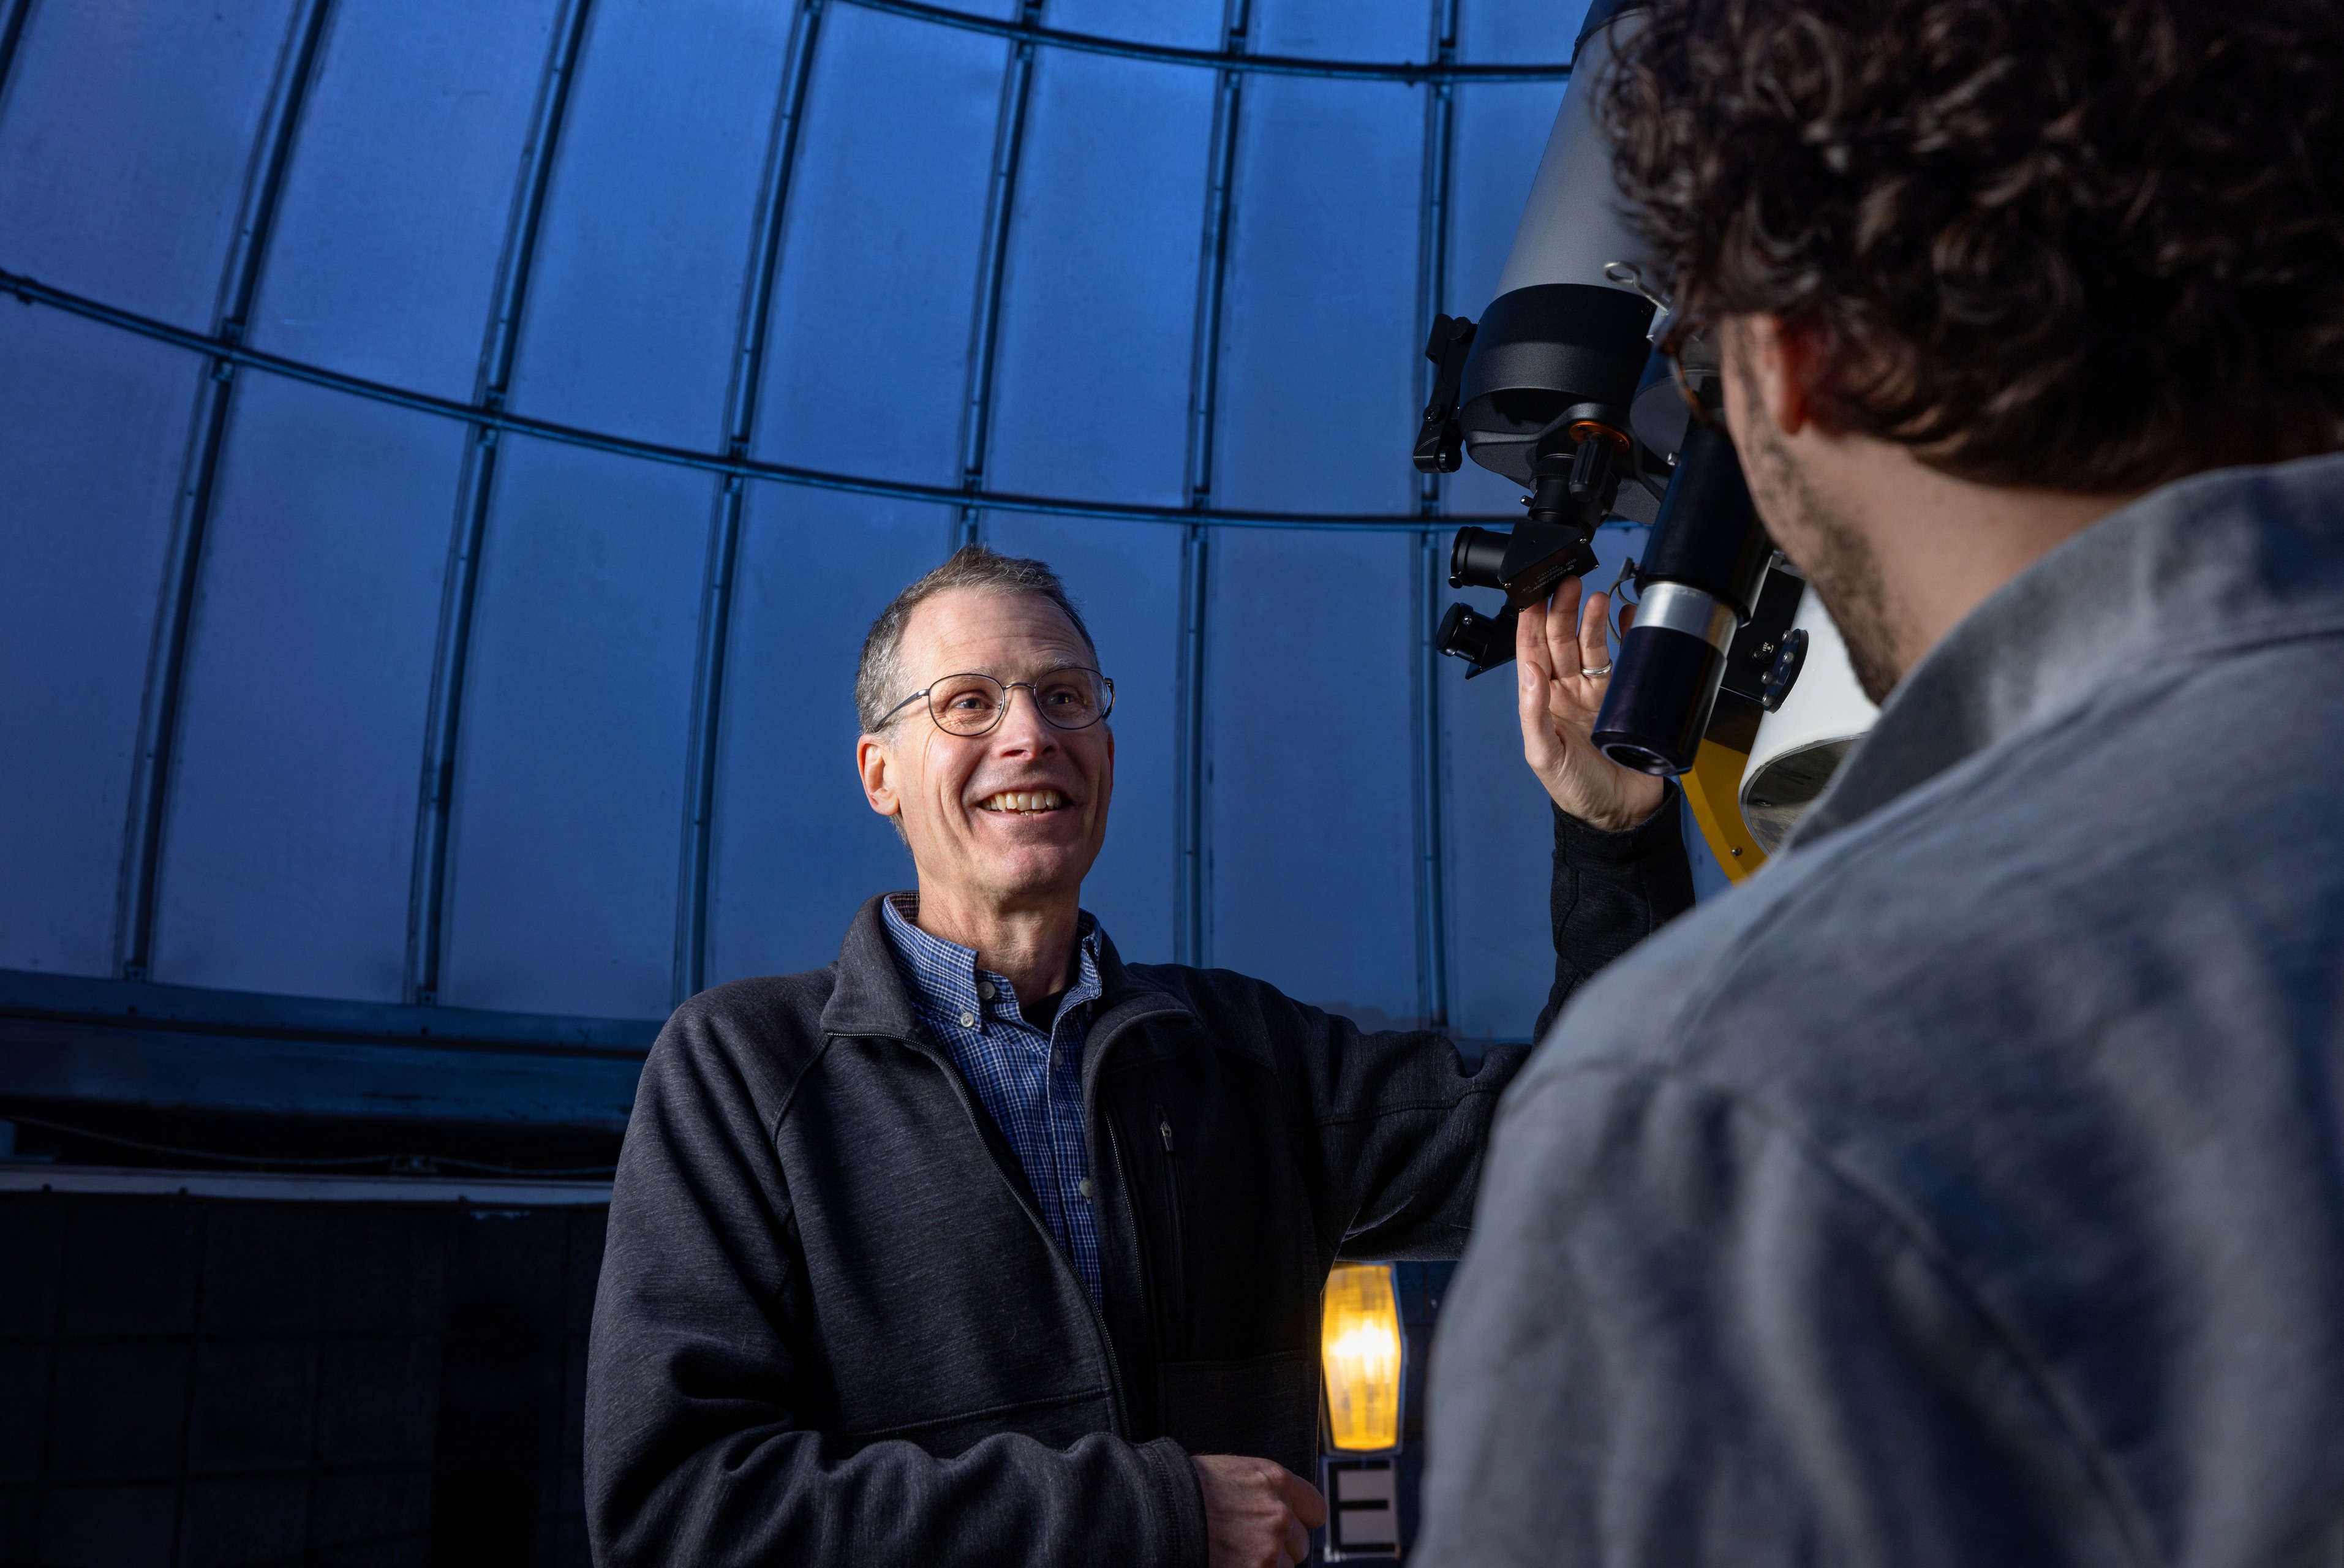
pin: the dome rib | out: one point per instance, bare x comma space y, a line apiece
166, 680
1445, 69
1192, 892
32, 292
427, 904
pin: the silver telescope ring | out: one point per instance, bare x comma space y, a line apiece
1675, 607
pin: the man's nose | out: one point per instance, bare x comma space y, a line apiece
1022, 728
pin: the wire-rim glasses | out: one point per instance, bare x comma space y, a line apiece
1071, 697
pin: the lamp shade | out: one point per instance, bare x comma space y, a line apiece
1360, 1347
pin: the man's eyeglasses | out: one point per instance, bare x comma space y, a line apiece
1072, 698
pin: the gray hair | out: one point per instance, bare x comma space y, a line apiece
879, 679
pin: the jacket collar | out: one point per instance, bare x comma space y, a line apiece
869, 996
2213, 562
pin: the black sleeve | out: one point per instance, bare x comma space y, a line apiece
1400, 1119
1612, 890
700, 1445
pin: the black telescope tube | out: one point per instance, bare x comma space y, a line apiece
1699, 583
1660, 699
1707, 534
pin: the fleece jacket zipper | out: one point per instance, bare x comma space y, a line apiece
979, 1120
1178, 1246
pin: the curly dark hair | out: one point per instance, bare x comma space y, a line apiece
2083, 245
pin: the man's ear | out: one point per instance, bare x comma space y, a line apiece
871, 760
1775, 366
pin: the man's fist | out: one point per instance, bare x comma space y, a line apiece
1257, 1513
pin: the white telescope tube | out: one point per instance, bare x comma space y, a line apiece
1801, 744
1571, 230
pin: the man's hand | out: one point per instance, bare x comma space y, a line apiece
1559, 705
1257, 1513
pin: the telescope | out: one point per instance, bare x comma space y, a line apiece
1570, 385
1540, 389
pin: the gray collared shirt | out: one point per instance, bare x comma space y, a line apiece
1968, 1186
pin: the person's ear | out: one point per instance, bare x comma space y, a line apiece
877, 768
1775, 366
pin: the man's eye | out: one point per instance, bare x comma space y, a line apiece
968, 703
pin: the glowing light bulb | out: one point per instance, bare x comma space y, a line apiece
1360, 1348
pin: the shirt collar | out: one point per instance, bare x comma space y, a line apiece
2213, 561
942, 976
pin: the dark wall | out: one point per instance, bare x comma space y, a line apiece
195, 1381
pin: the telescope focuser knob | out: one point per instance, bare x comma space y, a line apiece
1594, 479
1783, 673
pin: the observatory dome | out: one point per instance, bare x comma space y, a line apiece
451, 454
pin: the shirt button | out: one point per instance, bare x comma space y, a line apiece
1084, 1187
969, 1020
984, 991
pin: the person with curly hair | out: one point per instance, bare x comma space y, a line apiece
1968, 1187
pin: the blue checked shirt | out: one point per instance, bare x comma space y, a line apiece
1030, 1082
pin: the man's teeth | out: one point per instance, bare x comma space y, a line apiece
1025, 800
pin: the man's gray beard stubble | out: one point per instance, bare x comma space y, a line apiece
1838, 560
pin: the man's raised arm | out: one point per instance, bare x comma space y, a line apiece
1401, 1121
1620, 866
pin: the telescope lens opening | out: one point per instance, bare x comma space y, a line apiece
1629, 754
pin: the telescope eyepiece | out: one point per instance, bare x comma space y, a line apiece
1477, 559
1665, 680
1483, 642
1629, 754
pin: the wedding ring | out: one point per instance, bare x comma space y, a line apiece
1595, 674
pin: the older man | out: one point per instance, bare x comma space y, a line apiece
982, 1246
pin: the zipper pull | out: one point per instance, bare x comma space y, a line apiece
1163, 1126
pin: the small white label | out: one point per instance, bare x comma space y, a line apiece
1366, 1515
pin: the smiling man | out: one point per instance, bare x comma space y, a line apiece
982, 1246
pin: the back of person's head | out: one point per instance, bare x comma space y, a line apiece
2079, 245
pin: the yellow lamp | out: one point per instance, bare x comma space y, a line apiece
1359, 1345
